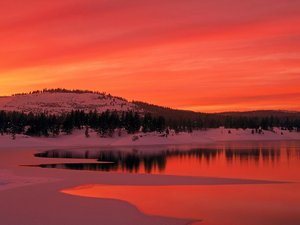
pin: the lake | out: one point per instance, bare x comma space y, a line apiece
277, 202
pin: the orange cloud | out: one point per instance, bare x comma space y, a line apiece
206, 56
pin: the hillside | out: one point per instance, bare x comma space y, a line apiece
169, 113
63, 101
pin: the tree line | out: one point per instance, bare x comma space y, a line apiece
206, 121
107, 123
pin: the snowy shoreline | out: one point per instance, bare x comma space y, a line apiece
78, 138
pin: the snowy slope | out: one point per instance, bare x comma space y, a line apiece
58, 102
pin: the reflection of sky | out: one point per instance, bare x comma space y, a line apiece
201, 55
272, 204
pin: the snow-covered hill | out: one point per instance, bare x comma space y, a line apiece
62, 102
58, 101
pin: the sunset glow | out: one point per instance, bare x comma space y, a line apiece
218, 55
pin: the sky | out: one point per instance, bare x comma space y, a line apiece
209, 56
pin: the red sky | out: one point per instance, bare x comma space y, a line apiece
215, 55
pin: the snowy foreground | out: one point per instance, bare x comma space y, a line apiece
78, 138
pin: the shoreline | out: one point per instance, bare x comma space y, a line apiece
199, 137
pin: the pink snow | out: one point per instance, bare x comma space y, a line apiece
78, 138
57, 103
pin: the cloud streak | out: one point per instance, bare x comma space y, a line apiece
204, 55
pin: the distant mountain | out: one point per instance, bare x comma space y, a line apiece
263, 113
58, 101
176, 114
168, 113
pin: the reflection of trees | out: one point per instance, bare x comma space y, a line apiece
242, 154
130, 162
206, 154
151, 162
270, 155
155, 162
255, 154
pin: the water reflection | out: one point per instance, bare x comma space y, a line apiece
136, 161
81, 166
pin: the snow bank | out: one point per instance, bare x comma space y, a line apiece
8, 180
78, 138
